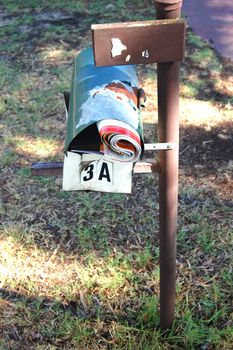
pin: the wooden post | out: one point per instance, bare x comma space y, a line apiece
168, 120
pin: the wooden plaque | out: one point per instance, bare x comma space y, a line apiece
138, 42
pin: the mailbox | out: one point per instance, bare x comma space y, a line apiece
104, 124
103, 94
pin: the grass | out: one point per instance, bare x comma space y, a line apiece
81, 270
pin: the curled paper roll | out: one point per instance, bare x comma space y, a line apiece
104, 112
120, 141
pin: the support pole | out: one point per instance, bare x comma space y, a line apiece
168, 120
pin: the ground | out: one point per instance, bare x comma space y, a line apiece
80, 270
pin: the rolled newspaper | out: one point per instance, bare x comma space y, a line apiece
120, 141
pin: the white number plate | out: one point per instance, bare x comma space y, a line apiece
96, 173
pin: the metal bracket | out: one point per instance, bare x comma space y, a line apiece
56, 168
159, 146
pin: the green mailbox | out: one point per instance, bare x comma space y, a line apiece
104, 111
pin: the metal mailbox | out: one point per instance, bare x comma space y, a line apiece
104, 119
100, 94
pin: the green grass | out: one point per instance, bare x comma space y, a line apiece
13, 6
206, 81
206, 58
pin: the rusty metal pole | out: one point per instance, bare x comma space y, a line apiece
168, 121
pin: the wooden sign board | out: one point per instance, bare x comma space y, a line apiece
140, 42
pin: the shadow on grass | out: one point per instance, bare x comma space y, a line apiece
208, 147
36, 320
205, 74
46, 303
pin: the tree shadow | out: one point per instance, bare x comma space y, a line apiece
209, 147
22, 330
205, 75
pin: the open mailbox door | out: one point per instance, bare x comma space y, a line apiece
104, 130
